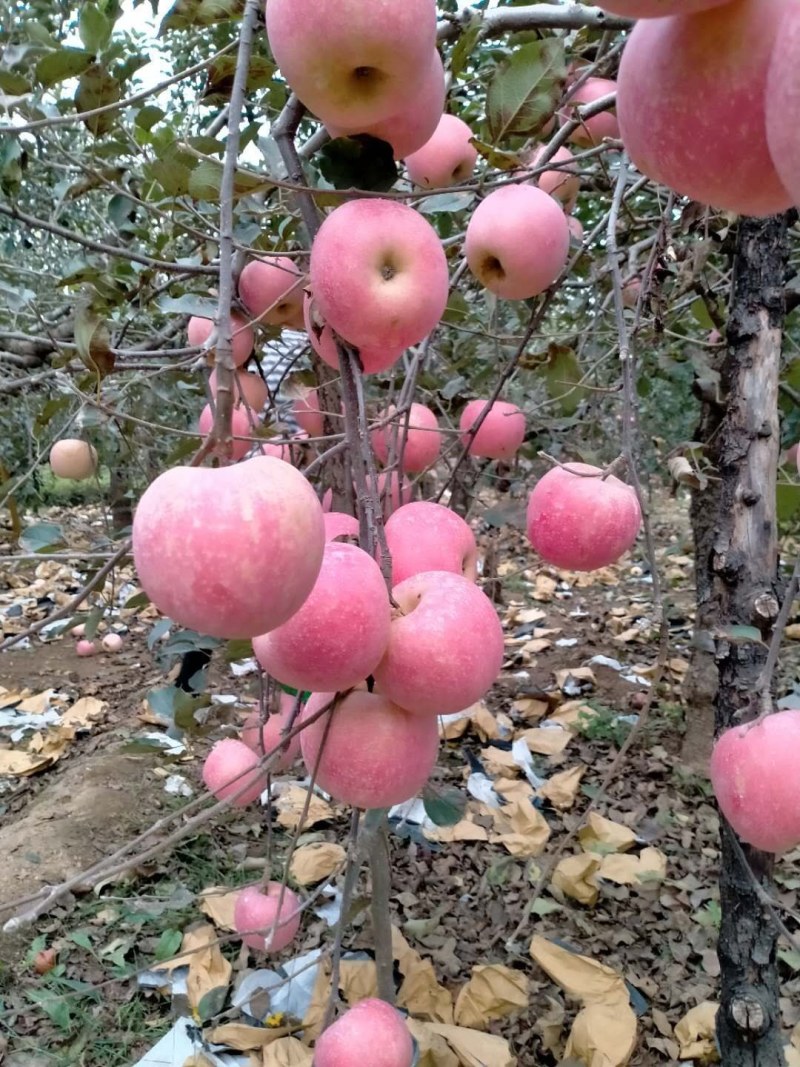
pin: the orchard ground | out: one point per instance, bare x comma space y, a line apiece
457, 902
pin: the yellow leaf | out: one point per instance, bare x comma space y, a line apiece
315, 862
464, 830
530, 707
493, 992
208, 968
601, 834
243, 1038
218, 903
576, 877
630, 869
603, 1035
475, 1049
562, 789
291, 804
433, 1049
696, 1031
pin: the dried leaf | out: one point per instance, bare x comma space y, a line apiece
242, 1038
31, 705
21, 764
576, 877
315, 1014
650, 865
578, 674
208, 968
315, 862
544, 587
358, 979
530, 707
288, 1052
291, 803
493, 992
572, 713
603, 1035
475, 1049
604, 835
218, 903
464, 830
562, 789
695, 1031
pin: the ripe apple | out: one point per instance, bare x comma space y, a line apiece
392, 493
308, 414
424, 536
564, 185
500, 434
517, 241
272, 290
349, 62
598, 128
445, 649
754, 775
243, 339
249, 390
580, 522
782, 99
371, 1032
341, 631
112, 643
267, 917
232, 551
263, 739
691, 105
373, 360
73, 458
448, 158
230, 767
86, 648
656, 9
242, 420
420, 444
375, 754
379, 274
575, 229
340, 524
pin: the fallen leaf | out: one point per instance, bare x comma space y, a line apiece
544, 587
528, 615
493, 992
604, 835
464, 830
499, 762
291, 803
578, 674
696, 1031
288, 1052
475, 1049
572, 713
36, 703
218, 902
562, 789
603, 1035
243, 1038
650, 865
315, 862
530, 707
208, 968
576, 877
315, 1013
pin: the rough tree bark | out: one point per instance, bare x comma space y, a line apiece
737, 549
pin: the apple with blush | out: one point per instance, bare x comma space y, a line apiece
340, 524
562, 183
249, 390
501, 433
263, 738
231, 769
371, 1032
242, 425
603, 126
72, 458
199, 332
417, 437
424, 536
267, 917
272, 290
447, 158
392, 492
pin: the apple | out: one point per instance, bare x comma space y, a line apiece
231, 767
200, 330
373, 360
781, 99
79, 630
86, 648
754, 775
420, 444
249, 390
112, 643
517, 241
425, 536
232, 551
352, 63
598, 128
445, 649
339, 634
392, 493
72, 458
575, 229
375, 754
500, 434
691, 105
580, 521
272, 290
307, 413
241, 426
263, 739
340, 524
448, 158
267, 917
371, 1032
562, 184
379, 274
656, 9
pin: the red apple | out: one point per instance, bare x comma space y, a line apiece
656, 9
517, 241
267, 917
372, 1032
86, 648
112, 643
272, 290
72, 458
339, 634
782, 99
424, 536
448, 158
420, 444
580, 522
500, 434
562, 184
308, 414
445, 649
242, 420
373, 360
249, 390
754, 775
232, 768
598, 128
379, 274
375, 754
630, 292
232, 551
263, 739
200, 330
339, 524
392, 492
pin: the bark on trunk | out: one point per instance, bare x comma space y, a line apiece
742, 572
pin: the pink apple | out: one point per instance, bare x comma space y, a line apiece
262, 739
424, 536
272, 290
200, 330
349, 62
371, 1032
308, 414
373, 360
655, 9
249, 390
575, 229
271, 448
563, 184
73, 458
232, 768
379, 274
339, 524
339, 634
517, 241
691, 104
232, 551
598, 128
392, 492
754, 775
500, 434
242, 425
112, 643
421, 443
86, 648
782, 99
445, 649
267, 917
448, 158
375, 754
580, 521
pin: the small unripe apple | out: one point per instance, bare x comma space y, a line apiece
500, 434
231, 766
267, 917
581, 521
272, 290
86, 648
241, 426
371, 1032
112, 643
425, 536
448, 158
599, 127
263, 739
340, 524
420, 443
754, 775
242, 342
72, 458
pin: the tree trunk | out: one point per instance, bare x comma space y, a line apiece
742, 573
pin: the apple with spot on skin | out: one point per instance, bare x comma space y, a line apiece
263, 739
371, 1032
563, 185
230, 767
421, 443
425, 536
73, 458
199, 330
272, 290
754, 775
267, 917
340, 524
598, 128
691, 104
375, 754
500, 434
352, 63
580, 521
447, 158
341, 631
249, 390
517, 241
232, 551
241, 426
379, 274
445, 649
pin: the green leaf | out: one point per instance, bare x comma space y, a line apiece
93, 620
54, 1005
791, 957
93, 340
65, 63
168, 945
563, 374
205, 181
526, 89
148, 116
138, 600
239, 648
465, 44
212, 1003
445, 202
98, 88
13, 83
445, 806
42, 537
82, 940
359, 162
94, 28
158, 631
